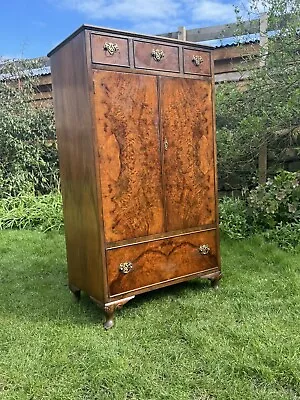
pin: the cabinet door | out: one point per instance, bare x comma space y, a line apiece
126, 113
188, 160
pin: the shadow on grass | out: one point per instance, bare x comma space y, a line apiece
38, 291
159, 296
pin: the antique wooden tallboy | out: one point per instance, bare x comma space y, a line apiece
136, 139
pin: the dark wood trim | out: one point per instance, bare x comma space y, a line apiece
131, 70
181, 64
208, 274
130, 34
159, 236
130, 52
162, 151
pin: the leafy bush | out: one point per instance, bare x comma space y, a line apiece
286, 236
277, 201
263, 110
28, 153
272, 209
234, 220
32, 212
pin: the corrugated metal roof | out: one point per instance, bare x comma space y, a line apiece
234, 43
41, 71
32, 72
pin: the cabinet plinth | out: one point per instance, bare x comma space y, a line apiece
136, 139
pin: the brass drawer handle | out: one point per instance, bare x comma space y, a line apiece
197, 60
111, 48
126, 267
204, 249
157, 54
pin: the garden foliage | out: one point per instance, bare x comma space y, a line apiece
272, 209
265, 109
27, 135
28, 211
278, 201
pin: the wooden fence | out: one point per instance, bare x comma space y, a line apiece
218, 31
257, 27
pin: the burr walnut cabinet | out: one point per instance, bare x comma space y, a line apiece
136, 140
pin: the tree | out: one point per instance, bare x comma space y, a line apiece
266, 112
27, 136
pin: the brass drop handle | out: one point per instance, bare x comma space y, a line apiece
157, 54
125, 267
197, 60
204, 249
111, 48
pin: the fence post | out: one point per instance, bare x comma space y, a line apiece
182, 33
263, 150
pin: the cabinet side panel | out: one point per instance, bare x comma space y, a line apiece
74, 127
187, 130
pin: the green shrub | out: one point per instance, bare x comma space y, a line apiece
32, 212
265, 110
277, 201
234, 219
286, 236
28, 152
272, 209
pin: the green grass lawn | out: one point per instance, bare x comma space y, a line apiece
185, 342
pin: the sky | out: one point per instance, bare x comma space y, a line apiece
31, 28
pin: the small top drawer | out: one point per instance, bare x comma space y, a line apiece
196, 62
109, 50
152, 55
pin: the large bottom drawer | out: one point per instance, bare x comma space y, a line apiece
142, 265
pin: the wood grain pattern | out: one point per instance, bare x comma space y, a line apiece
75, 138
129, 154
160, 261
191, 68
187, 125
99, 55
144, 59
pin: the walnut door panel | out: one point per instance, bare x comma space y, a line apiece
196, 62
188, 159
141, 265
156, 56
109, 50
126, 113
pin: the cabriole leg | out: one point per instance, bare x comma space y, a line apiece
75, 291
109, 310
109, 316
215, 281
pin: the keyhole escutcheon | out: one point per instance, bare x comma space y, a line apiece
166, 144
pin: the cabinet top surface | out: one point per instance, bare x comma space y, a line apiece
127, 34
